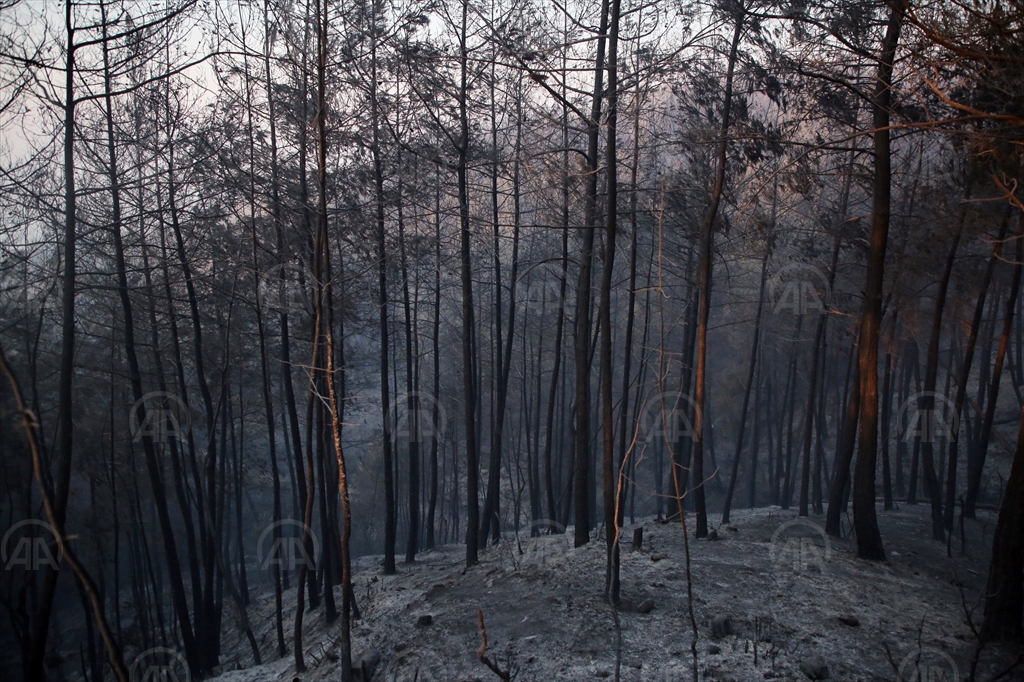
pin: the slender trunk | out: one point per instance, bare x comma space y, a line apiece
390, 514
325, 572
751, 369
977, 464
556, 367
754, 449
536, 499
627, 359
790, 412
915, 457
869, 540
845, 445
179, 599
236, 457
208, 642
490, 521
886, 417
773, 492
56, 504
432, 507
611, 481
282, 650
683, 450
304, 491
1004, 603
901, 443
987, 338
468, 356
65, 391
324, 297
925, 426
705, 265
411, 398
182, 392
491, 516
581, 468
307, 572
819, 450
819, 347
641, 380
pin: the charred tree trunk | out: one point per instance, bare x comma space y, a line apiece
812, 395
869, 540
324, 299
611, 480
845, 446
275, 201
886, 416
412, 400
556, 368
65, 391
627, 360
390, 513
929, 435
748, 386
179, 598
432, 505
468, 356
977, 463
705, 267
582, 353
1004, 603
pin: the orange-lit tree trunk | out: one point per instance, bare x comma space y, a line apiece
869, 540
705, 267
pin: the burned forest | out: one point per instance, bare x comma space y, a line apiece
466, 340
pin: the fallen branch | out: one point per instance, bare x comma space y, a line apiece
481, 655
31, 425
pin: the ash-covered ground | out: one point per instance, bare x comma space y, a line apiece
773, 598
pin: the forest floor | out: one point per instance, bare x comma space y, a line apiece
782, 584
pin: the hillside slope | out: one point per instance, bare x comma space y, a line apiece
778, 581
